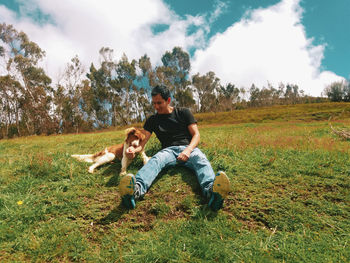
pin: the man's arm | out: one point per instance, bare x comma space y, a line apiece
193, 129
131, 151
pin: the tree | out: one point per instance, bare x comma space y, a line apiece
9, 105
105, 91
126, 75
254, 93
176, 67
292, 94
207, 87
184, 97
228, 97
148, 76
346, 91
68, 99
335, 91
145, 65
21, 57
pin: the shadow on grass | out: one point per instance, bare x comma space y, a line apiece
196, 210
188, 176
113, 171
113, 216
203, 212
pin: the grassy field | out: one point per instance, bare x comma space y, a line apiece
290, 199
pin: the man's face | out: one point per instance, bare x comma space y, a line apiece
160, 104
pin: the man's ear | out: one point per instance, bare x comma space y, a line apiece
168, 100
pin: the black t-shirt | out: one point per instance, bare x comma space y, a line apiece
171, 129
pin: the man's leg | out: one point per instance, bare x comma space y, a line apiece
199, 163
149, 172
145, 176
215, 187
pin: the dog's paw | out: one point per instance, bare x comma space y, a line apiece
91, 170
122, 173
145, 160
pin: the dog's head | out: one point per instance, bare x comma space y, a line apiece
134, 136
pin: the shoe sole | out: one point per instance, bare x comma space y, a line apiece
221, 184
127, 184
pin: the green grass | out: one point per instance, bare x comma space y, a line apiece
299, 112
289, 201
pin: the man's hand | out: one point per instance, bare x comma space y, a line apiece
130, 152
185, 155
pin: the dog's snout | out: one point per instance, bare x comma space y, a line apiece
135, 143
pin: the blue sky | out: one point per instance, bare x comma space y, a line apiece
326, 21
303, 42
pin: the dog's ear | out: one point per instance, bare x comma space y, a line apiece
130, 131
141, 135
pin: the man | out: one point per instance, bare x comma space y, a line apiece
177, 130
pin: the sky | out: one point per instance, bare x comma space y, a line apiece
245, 42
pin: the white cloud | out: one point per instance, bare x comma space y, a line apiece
82, 27
5, 14
267, 46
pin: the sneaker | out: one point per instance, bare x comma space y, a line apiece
127, 189
221, 188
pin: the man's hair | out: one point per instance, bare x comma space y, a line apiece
162, 90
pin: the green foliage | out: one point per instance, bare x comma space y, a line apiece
206, 87
26, 85
176, 67
338, 91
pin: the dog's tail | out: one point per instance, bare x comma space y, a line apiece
89, 158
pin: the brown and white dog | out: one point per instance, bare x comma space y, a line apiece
134, 137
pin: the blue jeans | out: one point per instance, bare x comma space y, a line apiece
166, 157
